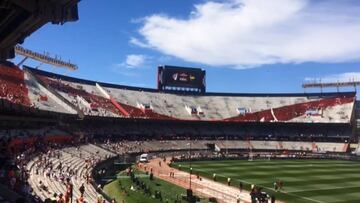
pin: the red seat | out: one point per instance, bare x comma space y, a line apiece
12, 85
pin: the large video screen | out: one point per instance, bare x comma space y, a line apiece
182, 77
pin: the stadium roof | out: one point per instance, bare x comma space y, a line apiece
19, 18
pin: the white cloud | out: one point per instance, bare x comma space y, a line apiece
139, 43
247, 33
342, 77
134, 61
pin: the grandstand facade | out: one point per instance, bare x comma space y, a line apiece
149, 112
111, 100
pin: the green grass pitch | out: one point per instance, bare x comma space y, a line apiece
305, 181
116, 189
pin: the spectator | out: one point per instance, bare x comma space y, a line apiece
82, 189
53, 199
60, 199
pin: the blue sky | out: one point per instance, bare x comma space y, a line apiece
244, 45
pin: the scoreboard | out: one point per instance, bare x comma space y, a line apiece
174, 78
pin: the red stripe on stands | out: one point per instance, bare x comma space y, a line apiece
12, 85
119, 107
289, 112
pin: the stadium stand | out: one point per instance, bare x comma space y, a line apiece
12, 85
84, 97
43, 99
173, 145
49, 172
94, 97
18, 87
226, 107
124, 120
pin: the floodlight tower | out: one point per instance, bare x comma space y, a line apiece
43, 58
318, 84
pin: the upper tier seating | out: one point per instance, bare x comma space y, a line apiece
110, 100
44, 100
12, 85
19, 87
83, 96
270, 109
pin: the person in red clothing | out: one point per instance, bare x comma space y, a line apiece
61, 199
69, 189
80, 199
66, 197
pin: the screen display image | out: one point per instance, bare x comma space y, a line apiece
182, 77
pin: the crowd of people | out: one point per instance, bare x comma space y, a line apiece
45, 159
12, 85
123, 146
58, 167
13, 170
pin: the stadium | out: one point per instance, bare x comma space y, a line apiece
66, 139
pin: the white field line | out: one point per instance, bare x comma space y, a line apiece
330, 188
306, 198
